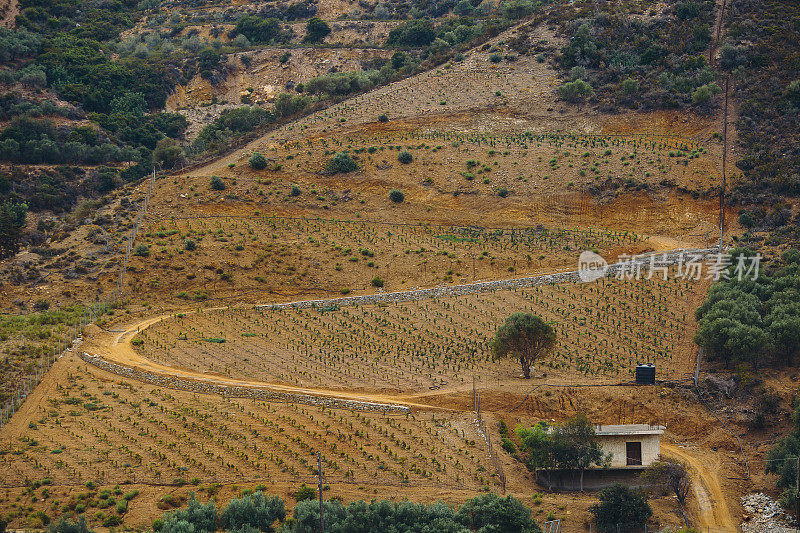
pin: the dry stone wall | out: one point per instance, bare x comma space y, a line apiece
642, 262
238, 391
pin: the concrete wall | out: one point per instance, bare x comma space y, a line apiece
651, 447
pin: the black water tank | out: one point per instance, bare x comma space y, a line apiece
646, 374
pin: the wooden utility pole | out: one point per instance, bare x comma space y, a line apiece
724, 157
321, 517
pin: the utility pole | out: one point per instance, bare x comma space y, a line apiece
321, 517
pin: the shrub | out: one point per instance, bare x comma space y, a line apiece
490, 512
412, 33
629, 87
383, 118
257, 161
396, 196
316, 30
377, 281
296, 191
341, 162
575, 91
12, 222
793, 91
258, 29
495, 58
256, 510
217, 184
405, 157
111, 521
190, 245
702, 95
621, 507
502, 192
196, 518
508, 445
67, 526
141, 250
305, 493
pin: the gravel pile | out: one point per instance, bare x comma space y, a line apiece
764, 515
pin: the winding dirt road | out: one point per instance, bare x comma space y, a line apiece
714, 510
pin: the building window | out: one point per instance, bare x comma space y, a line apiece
633, 453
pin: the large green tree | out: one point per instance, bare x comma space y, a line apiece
571, 446
525, 336
575, 447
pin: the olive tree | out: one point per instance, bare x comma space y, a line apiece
525, 336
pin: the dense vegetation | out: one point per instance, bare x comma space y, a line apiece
753, 321
257, 512
651, 59
762, 52
782, 461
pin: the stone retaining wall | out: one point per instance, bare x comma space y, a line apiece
642, 261
234, 391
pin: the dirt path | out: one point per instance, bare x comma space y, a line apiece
714, 510
119, 349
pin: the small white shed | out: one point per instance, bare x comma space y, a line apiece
630, 445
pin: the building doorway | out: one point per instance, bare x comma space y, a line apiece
633, 452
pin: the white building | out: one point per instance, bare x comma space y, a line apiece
630, 445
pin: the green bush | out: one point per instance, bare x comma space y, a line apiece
412, 33
629, 87
620, 507
257, 161
341, 162
793, 91
305, 493
217, 184
257, 511
575, 91
258, 29
190, 245
502, 192
383, 118
702, 95
396, 196
68, 526
405, 157
377, 281
316, 30
141, 250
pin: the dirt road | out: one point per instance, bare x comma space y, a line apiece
714, 510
